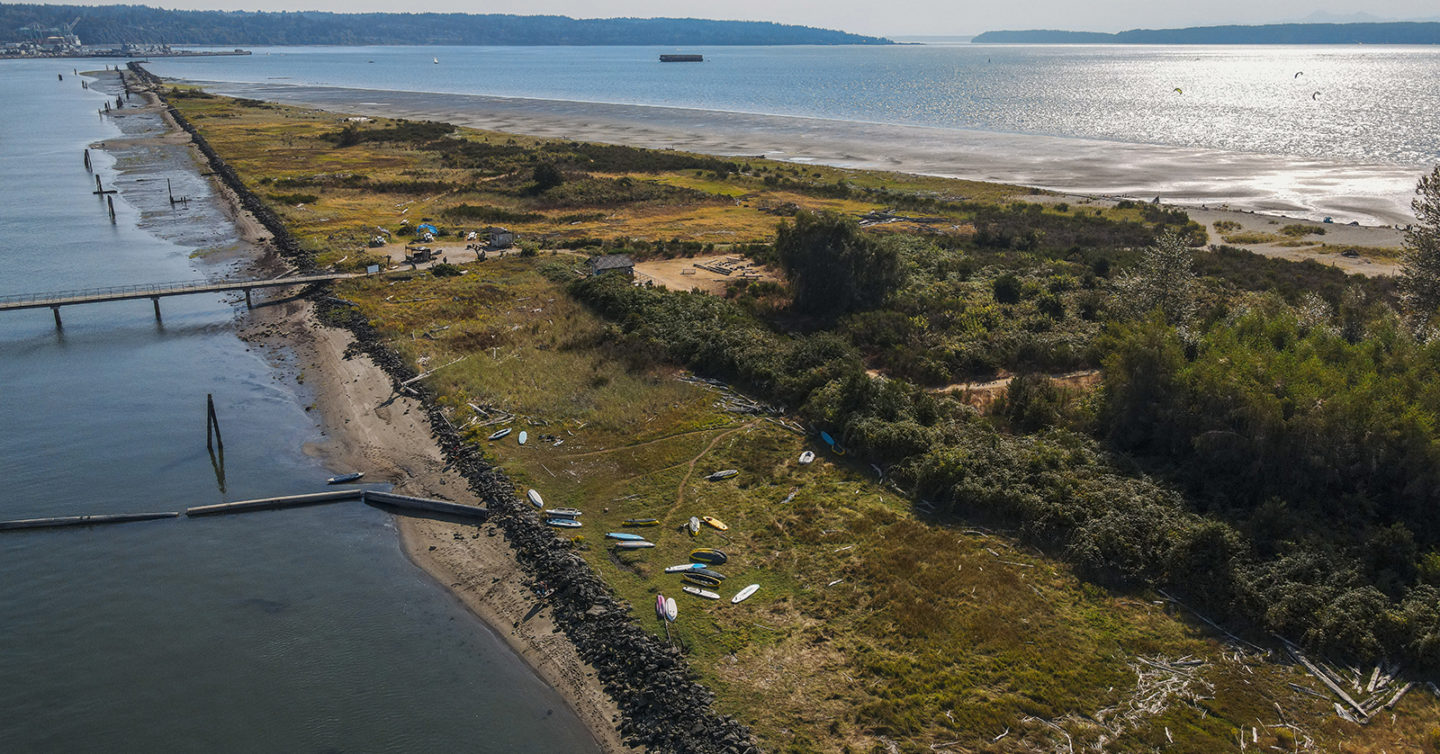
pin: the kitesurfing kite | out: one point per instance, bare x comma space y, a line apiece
1298, 74
1178, 90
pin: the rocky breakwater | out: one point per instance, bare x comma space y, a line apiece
664, 707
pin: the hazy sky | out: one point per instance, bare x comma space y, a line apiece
887, 17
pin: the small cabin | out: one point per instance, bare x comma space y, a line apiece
499, 238
621, 263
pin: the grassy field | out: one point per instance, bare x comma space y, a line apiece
876, 627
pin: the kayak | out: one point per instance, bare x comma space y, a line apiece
723, 474
660, 606
686, 567
715, 522
642, 522
496, 435
708, 572
535, 498
708, 555
828, 439
624, 535
343, 478
568, 523
565, 512
807, 456
709, 595
744, 594
641, 545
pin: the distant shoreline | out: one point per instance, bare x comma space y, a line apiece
1393, 33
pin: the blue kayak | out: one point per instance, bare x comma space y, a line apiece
828, 439
625, 536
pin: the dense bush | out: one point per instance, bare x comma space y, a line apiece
832, 266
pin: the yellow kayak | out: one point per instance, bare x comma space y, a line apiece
715, 522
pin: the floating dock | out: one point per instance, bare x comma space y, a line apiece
272, 503
425, 504
58, 521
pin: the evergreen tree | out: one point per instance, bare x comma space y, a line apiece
1164, 280
1420, 271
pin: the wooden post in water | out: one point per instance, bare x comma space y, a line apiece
210, 418
248, 305
111, 201
87, 161
56, 311
156, 300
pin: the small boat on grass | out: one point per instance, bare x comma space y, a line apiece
807, 457
636, 545
565, 512
642, 522
722, 474
709, 555
714, 522
744, 594
686, 567
535, 499
699, 579
698, 592
343, 478
672, 611
566, 523
524, 436
624, 536
499, 433
707, 572
693, 526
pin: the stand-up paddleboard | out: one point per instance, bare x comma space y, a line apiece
686, 567
660, 606
565, 512
642, 522
708, 555
343, 478
566, 523
723, 474
696, 578
715, 522
707, 594
524, 436
642, 545
624, 536
499, 433
672, 611
744, 594
535, 499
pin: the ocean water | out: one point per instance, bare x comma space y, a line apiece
1349, 104
300, 630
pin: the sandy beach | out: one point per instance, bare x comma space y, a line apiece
367, 426
1308, 189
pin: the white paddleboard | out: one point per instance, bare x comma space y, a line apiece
744, 594
686, 567
524, 436
535, 498
706, 593
672, 611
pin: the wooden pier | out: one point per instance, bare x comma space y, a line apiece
56, 299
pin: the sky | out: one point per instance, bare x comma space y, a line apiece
891, 17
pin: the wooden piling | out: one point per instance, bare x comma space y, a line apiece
56, 311
111, 201
211, 420
248, 305
88, 166
155, 300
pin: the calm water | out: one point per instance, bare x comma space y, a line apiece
300, 630
1350, 104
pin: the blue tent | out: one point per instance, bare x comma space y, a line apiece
426, 228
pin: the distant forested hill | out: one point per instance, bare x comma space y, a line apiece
138, 24
1275, 34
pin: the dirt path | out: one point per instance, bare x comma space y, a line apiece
603, 451
689, 472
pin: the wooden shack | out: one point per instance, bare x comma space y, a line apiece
621, 263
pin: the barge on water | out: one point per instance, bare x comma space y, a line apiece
682, 58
